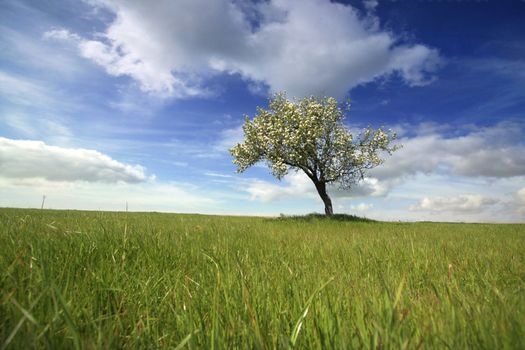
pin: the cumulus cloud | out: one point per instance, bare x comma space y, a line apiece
304, 47
361, 207
497, 151
520, 196
294, 184
517, 204
297, 184
462, 203
23, 159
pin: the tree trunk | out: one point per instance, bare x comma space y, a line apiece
321, 189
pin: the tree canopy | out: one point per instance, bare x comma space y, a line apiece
309, 135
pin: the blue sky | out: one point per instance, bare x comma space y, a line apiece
104, 102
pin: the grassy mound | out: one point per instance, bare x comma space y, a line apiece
317, 216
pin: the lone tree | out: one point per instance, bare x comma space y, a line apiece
309, 135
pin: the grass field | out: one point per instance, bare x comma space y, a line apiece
73, 279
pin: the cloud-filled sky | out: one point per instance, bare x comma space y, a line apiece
104, 102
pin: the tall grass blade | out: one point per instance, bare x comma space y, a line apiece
67, 317
185, 340
300, 320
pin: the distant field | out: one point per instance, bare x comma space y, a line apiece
73, 279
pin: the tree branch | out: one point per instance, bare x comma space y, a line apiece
306, 170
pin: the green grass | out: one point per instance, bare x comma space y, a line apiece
74, 279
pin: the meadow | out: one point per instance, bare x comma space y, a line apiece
107, 280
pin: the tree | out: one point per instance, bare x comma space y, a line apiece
309, 135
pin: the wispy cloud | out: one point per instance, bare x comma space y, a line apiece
28, 127
36, 54
215, 174
144, 196
229, 138
20, 90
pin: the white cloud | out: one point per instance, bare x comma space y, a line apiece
369, 186
22, 48
22, 91
24, 159
215, 174
297, 184
462, 203
37, 109
61, 34
150, 77
322, 47
496, 152
361, 207
303, 47
144, 196
520, 196
413, 63
19, 123
517, 204
29, 127
370, 5
229, 138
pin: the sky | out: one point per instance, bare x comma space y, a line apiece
108, 103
